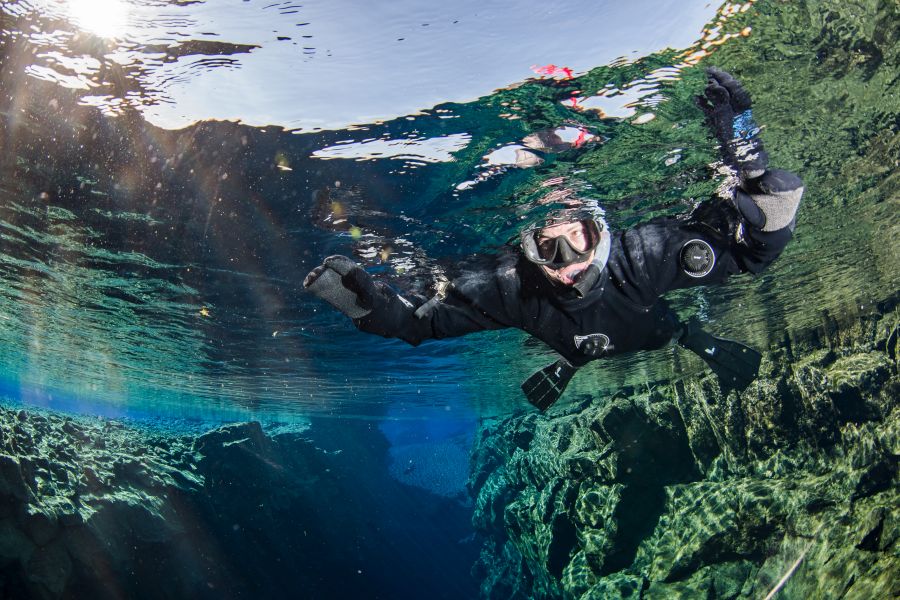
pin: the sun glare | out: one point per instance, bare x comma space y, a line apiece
106, 18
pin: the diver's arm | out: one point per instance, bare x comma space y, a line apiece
766, 199
452, 314
718, 239
376, 308
744, 233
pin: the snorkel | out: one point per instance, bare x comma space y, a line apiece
587, 278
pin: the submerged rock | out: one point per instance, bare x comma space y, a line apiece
48, 571
687, 493
233, 513
12, 481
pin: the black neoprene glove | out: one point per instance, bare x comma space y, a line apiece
727, 107
373, 305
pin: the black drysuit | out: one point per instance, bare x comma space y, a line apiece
622, 311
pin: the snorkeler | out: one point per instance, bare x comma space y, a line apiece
530, 152
589, 292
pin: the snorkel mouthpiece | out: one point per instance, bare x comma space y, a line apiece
585, 280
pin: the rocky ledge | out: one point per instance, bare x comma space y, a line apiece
93, 508
681, 492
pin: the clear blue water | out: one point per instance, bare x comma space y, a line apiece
170, 171
174, 170
169, 251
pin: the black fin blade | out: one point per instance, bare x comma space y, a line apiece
735, 364
546, 386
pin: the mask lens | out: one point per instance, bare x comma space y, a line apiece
547, 248
579, 239
571, 245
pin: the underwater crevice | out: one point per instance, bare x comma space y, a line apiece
636, 516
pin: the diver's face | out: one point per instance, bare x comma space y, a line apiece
578, 237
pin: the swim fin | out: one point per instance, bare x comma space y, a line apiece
545, 387
735, 364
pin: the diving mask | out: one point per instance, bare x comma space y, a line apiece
571, 247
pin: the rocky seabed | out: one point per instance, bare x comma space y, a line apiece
87, 506
674, 491
787, 490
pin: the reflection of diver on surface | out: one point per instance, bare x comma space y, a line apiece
588, 292
531, 152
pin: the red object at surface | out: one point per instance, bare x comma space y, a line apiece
581, 139
552, 70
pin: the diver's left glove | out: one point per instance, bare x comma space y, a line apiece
373, 305
727, 107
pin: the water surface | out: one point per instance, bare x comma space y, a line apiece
171, 171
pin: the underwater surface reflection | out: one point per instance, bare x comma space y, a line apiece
151, 269
325, 65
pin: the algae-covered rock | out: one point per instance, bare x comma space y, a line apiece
686, 493
42, 527
620, 586
12, 481
235, 512
14, 544
78, 509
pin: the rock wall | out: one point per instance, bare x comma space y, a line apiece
96, 509
678, 491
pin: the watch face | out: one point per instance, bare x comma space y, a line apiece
697, 258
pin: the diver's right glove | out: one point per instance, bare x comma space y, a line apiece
373, 305
727, 107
